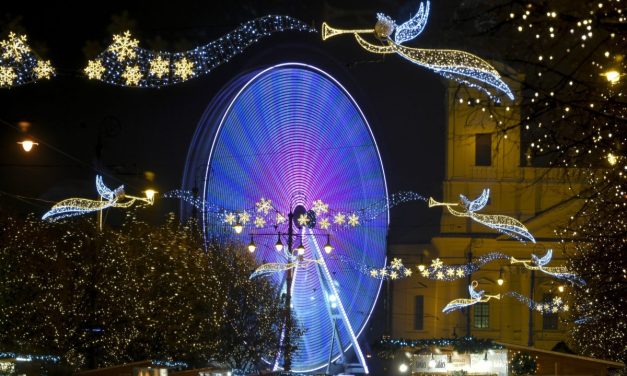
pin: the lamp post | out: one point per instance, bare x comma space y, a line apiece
286, 346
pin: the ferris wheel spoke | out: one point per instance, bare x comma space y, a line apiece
349, 328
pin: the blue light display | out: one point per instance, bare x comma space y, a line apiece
294, 134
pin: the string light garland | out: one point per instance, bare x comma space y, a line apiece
110, 198
502, 223
457, 65
561, 272
275, 267
554, 306
465, 344
475, 297
30, 357
125, 63
19, 64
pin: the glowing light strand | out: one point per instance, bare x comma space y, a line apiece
78, 206
554, 306
154, 69
502, 223
560, 272
457, 65
19, 64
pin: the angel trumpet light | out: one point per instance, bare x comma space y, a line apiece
329, 31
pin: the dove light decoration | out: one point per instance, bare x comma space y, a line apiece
457, 65
110, 199
475, 297
561, 272
502, 223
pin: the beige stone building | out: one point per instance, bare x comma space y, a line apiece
481, 152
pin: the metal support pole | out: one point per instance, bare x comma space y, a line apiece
532, 282
287, 346
468, 333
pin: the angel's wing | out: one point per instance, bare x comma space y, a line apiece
504, 224
103, 190
478, 203
412, 28
475, 294
457, 65
74, 206
545, 259
456, 304
272, 267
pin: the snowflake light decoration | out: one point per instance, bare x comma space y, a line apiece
124, 46
339, 219
184, 69
19, 64
43, 69
132, 75
319, 207
260, 222
263, 206
353, 220
94, 69
230, 218
161, 68
7, 76
14, 47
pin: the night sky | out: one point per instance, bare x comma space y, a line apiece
136, 130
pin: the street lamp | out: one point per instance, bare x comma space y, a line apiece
251, 245
238, 227
27, 145
500, 280
279, 245
328, 247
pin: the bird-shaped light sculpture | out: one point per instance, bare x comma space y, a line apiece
502, 223
457, 65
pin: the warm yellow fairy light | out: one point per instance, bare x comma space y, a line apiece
94, 69
159, 67
612, 159
612, 76
132, 75
184, 68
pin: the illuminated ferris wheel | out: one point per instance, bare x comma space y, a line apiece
293, 134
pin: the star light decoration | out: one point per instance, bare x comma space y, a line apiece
19, 64
161, 68
460, 66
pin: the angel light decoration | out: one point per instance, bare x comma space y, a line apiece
460, 66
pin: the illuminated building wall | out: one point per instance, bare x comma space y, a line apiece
479, 155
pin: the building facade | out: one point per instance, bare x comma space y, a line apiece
483, 150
